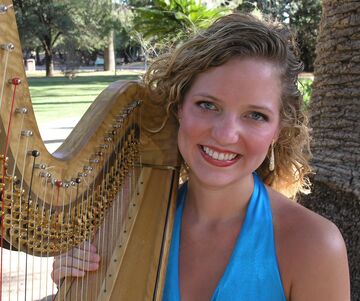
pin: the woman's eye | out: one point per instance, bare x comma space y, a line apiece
258, 116
207, 105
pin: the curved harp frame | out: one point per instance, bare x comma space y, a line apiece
43, 194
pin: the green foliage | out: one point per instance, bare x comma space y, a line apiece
43, 20
305, 87
86, 22
170, 21
305, 20
64, 25
303, 17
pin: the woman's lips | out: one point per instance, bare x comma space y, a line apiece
218, 157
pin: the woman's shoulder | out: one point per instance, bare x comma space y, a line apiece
310, 249
300, 223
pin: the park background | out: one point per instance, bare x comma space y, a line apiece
74, 49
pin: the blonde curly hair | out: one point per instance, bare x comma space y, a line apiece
238, 35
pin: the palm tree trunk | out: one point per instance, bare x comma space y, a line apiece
109, 53
335, 119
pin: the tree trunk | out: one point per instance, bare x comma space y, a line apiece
335, 111
109, 54
49, 63
37, 50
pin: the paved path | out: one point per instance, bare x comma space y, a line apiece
54, 133
22, 273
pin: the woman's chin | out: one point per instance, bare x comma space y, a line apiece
213, 181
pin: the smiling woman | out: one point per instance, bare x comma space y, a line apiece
244, 140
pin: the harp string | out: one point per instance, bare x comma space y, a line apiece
104, 225
43, 219
107, 226
87, 199
51, 233
72, 183
27, 136
35, 154
19, 217
11, 204
92, 237
15, 83
80, 210
38, 239
7, 48
78, 182
115, 204
99, 236
56, 184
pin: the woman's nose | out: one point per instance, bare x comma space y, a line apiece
226, 130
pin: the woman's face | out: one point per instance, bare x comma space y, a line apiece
228, 119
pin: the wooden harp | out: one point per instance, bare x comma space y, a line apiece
113, 181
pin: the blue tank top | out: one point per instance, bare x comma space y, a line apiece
252, 273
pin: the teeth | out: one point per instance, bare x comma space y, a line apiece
218, 156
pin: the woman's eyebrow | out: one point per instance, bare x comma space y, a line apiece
208, 96
262, 108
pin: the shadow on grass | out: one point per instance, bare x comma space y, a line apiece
86, 80
62, 103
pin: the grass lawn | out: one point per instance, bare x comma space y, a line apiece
59, 98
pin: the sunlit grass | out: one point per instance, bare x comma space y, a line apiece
58, 97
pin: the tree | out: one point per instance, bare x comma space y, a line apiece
335, 111
109, 53
45, 20
303, 17
70, 25
167, 22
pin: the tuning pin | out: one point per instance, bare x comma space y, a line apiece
8, 47
66, 184
35, 153
14, 81
26, 133
40, 166
103, 146
45, 174
58, 183
3, 9
21, 110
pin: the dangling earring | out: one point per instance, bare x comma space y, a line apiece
272, 157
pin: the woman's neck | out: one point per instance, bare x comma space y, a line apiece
213, 205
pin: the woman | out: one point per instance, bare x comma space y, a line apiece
241, 124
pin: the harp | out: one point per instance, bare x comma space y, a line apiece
113, 182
